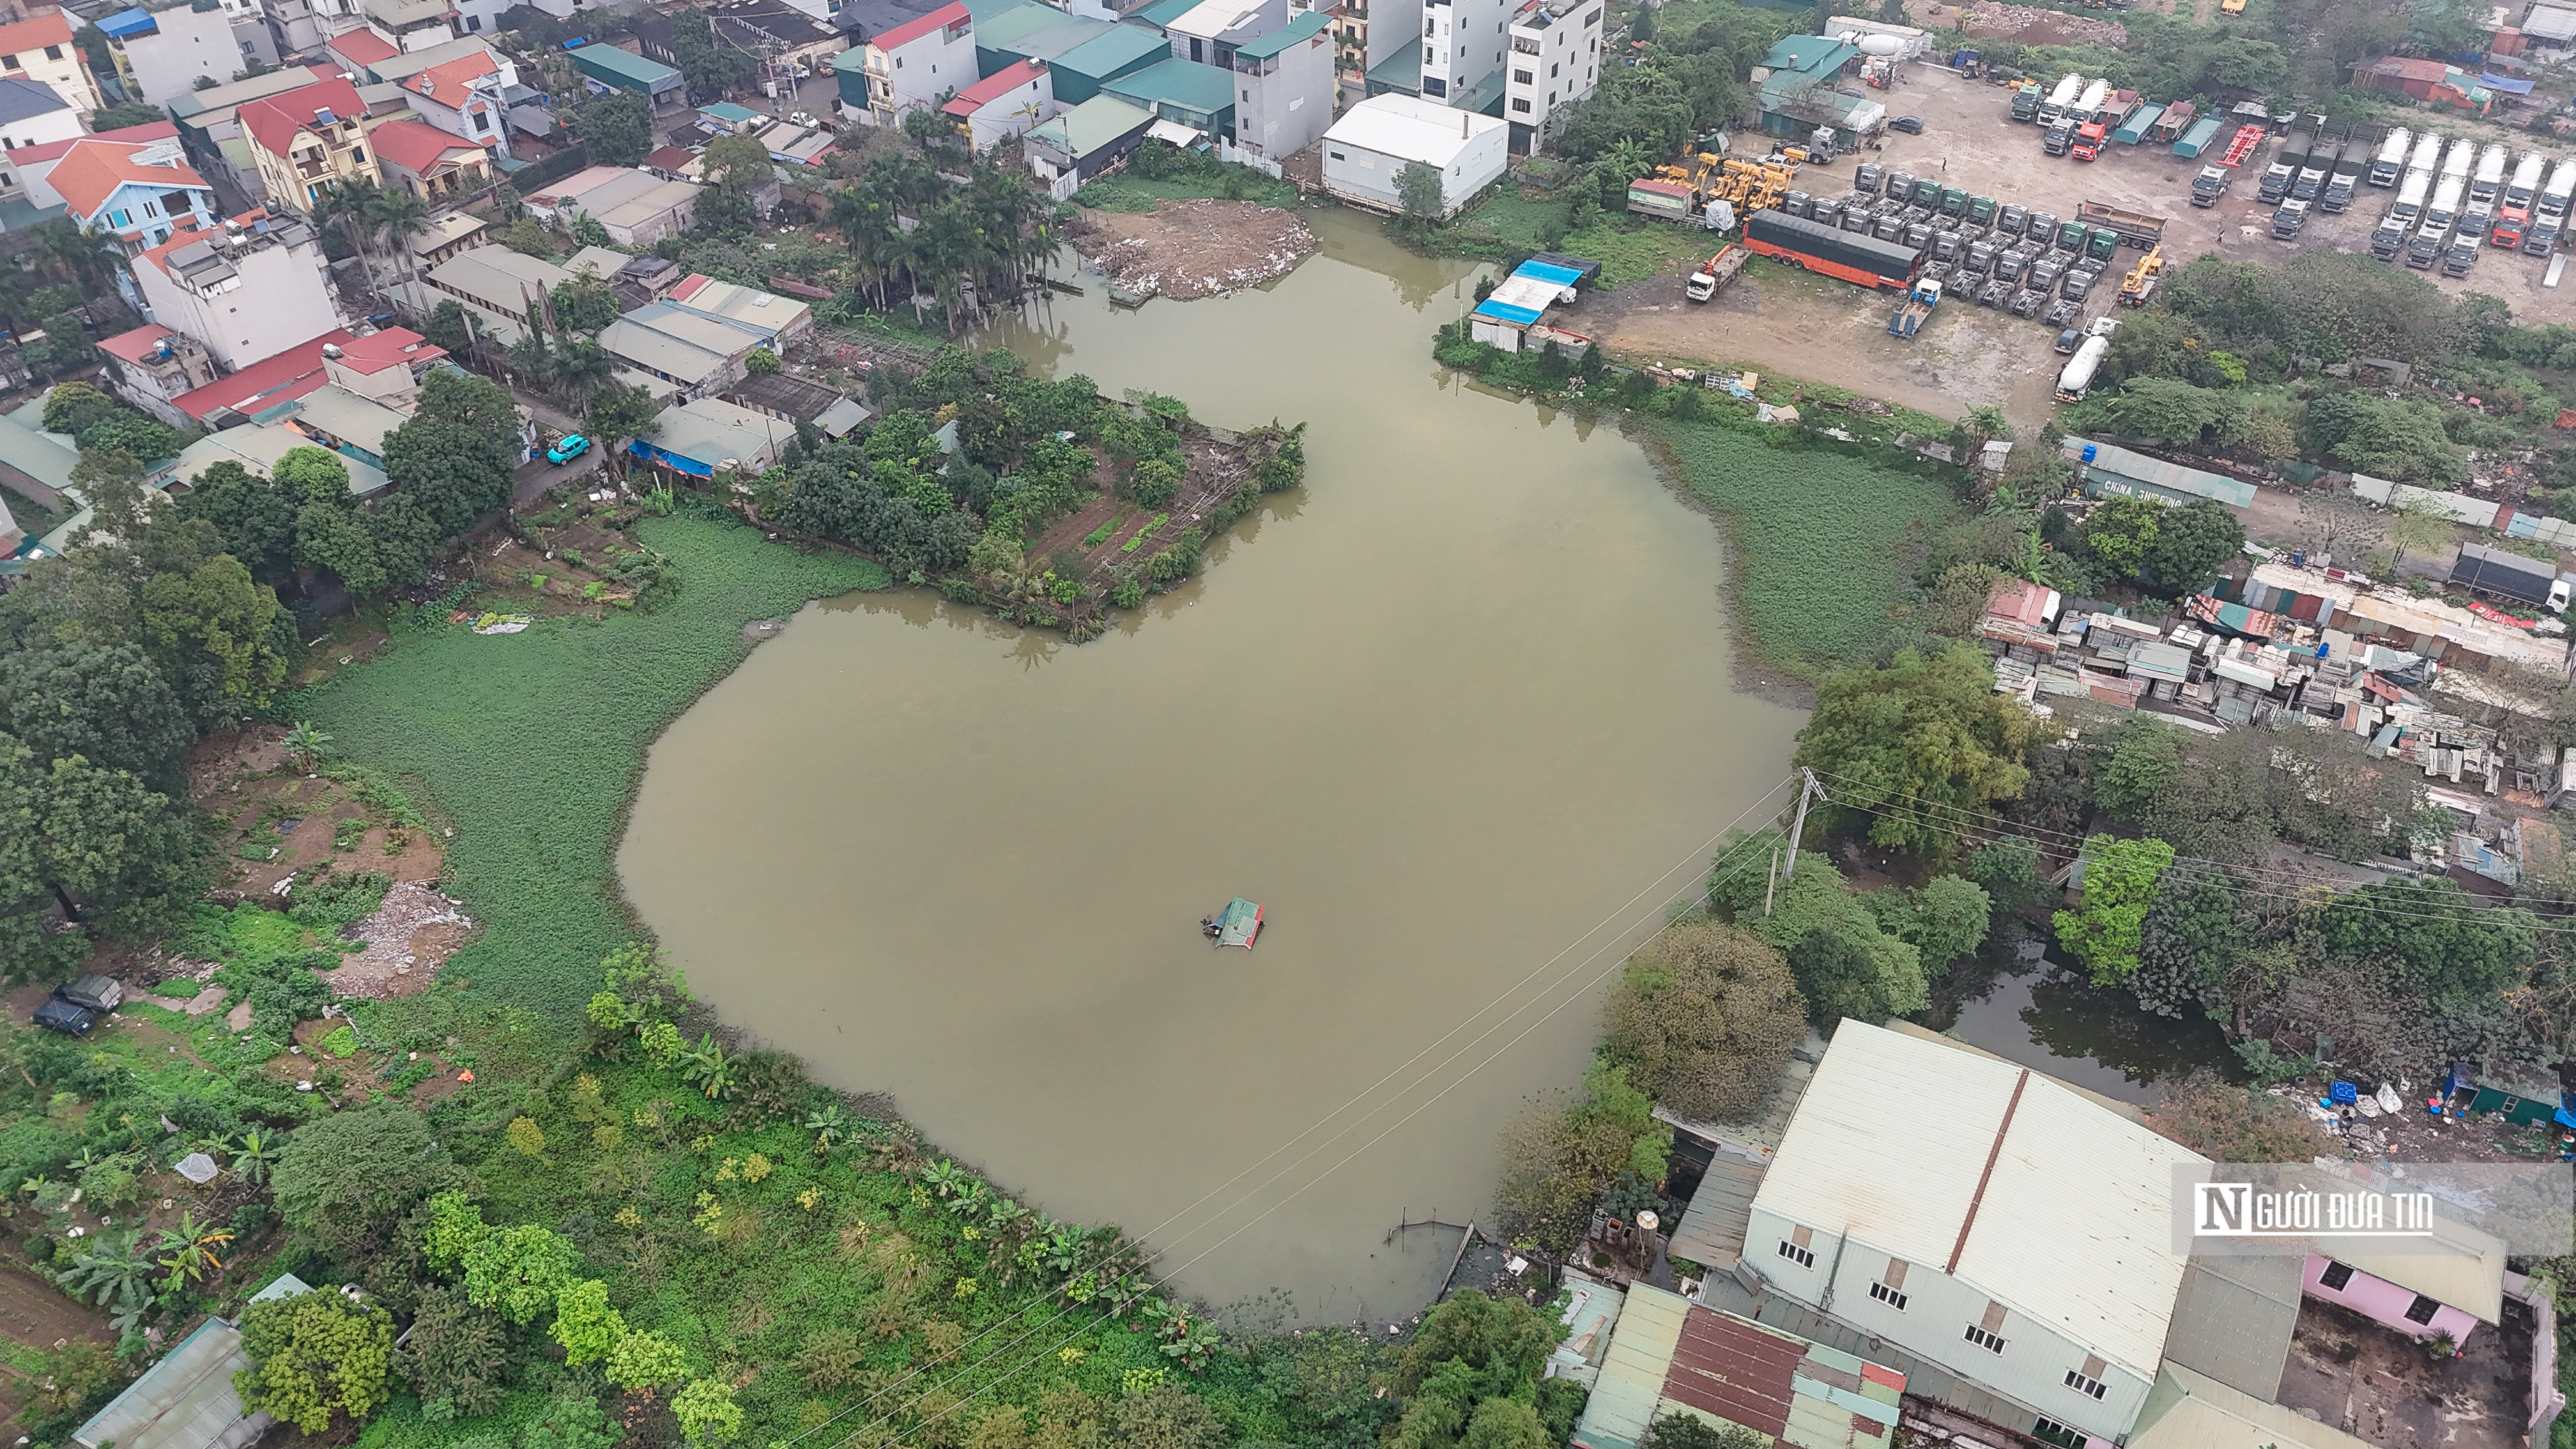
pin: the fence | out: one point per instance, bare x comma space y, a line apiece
2477, 512
537, 174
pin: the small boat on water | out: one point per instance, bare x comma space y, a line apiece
1236, 925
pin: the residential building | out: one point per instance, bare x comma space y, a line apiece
1081, 143
1078, 74
402, 66
1210, 30
359, 50
427, 162
139, 192
636, 207
40, 48
1802, 89
307, 141
154, 365
252, 289
31, 114
784, 320
794, 400
209, 121
187, 1399
706, 435
1977, 1266
411, 24
386, 366
912, 67
161, 52
790, 43
258, 444
1284, 87
445, 235
1367, 150
1463, 42
463, 97
606, 68
1555, 62
397, 355
697, 352
1003, 105
1183, 93
1666, 1355
34, 464
2421, 1295
504, 288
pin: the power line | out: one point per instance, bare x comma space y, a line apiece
1688, 861
1580, 993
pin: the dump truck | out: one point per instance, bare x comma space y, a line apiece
1715, 273
2135, 228
2345, 179
1915, 310
2025, 101
2487, 182
2513, 212
2499, 574
2090, 138
2211, 184
2311, 180
2076, 378
2198, 139
2390, 162
2284, 171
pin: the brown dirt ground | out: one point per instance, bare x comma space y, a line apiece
2033, 25
1214, 472
1186, 249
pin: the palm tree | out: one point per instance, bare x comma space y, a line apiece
189, 1247
582, 368
398, 216
254, 1155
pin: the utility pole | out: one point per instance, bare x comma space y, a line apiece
1798, 826
1771, 885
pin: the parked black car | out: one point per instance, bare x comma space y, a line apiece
60, 1015
1910, 125
92, 992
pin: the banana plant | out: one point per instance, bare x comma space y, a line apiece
189, 1251
1060, 1252
254, 1153
946, 1178
707, 1068
114, 1274
829, 1124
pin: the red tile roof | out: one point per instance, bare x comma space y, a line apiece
690, 286
35, 33
136, 345
272, 121
415, 146
671, 158
362, 48
392, 346
264, 384
447, 83
912, 30
136, 135
93, 169
993, 87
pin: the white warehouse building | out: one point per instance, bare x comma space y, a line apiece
1366, 151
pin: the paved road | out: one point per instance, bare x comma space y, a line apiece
534, 478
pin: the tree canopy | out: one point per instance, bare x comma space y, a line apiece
1916, 743
1704, 1016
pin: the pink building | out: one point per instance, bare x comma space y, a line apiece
2418, 1295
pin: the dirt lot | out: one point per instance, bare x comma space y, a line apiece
2369, 1381
1185, 249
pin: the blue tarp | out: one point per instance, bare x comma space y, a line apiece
1548, 272
1524, 295
673, 461
2509, 87
128, 22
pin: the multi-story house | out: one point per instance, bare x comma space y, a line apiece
249, 288
155, 364
411, 24
41, 49
1284, 87
308, 141
162, 52
1463, 42
139, 192
32, 114
463, 97
1555, 61
1210, 30
914, 66
429, 163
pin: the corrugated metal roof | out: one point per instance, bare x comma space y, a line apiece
186, 1401
1632, 1377
1306, 26
2186, 1410
2105, 1276
2233, 1318
1711, 1232
2118, 462
1410, 128
1104, 120
1670, 1356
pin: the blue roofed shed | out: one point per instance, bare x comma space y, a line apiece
127, 22
1127, 48
1188, 92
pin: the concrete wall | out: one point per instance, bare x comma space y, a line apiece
2381, 1301
191, 43
1281, 111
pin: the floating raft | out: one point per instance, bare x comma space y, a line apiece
1240, 923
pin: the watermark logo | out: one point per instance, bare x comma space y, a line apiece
2244, 1210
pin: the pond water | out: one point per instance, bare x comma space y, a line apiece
1456, 712
2042, 1013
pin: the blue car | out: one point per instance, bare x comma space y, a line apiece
572, 446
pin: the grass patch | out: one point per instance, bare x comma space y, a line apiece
536, 740
1132, 193
1817, 535
1629, 249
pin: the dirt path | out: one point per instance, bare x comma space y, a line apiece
1185, 249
